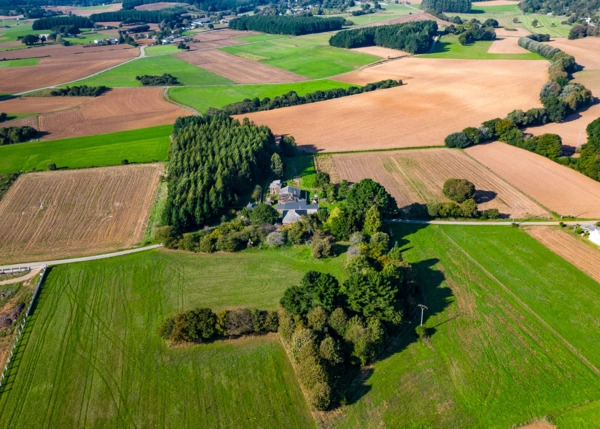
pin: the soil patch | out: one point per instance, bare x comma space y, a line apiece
559, 188
441, 96
507, 45
59, 214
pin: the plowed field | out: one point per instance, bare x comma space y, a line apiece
218, 39
440, 96
79, 212
556, 187
419, 175
238, 69
571, 248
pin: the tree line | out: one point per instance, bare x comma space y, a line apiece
214, 159
11, 135
79, 91
578, 8
165, 79
413, 37
293, 99
58, 21
458, 6
131, 4
281, 24
145, 16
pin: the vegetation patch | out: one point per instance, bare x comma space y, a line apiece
79, 91
165, 79
449, 47
11, 135
19, 63
281, 24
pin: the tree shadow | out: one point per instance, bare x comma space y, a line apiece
482, 196
339, 249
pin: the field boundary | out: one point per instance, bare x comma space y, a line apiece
524, 306
4, 375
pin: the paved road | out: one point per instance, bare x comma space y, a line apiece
492, 223
34, 265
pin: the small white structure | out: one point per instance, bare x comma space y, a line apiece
595, 236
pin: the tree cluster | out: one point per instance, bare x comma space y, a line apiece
138, 29
579, 31
293, 99
539, 37
10, 135
458, 6
165, 79
575, 8
6, 180
213, 160
131, 4
142, 16
58, 21
202, 325
413, 37
589, 160
473, 30
3, 116
294, 25
79, 91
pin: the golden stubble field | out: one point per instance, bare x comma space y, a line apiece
68, 213
419, 175
441, 96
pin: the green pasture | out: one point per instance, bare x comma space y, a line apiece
137, 146
309, 56
389, 11
88, 38
91, 356
262, 37
203, 98
124, 75
449, 47
18, 30
19, 63
155, 50
489, 362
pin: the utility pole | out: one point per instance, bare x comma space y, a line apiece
423, 308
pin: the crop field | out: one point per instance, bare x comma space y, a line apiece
497, 356
203, 98
19, 63
578, 251
186, 73
410, 115
449, 47
137, 146
86, 11
556, 187
226, 37
506, 45
238, 69
156, 6
419, 175
155, 50
59, 214
309, 56
391, 12
92, 356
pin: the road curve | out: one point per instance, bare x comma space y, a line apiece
34, 265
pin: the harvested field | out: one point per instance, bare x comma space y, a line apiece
85, 11
415, 114
582, 255
507, 45
238, 69
60, 65
559, 188
419, 175
518, 32
40, 104
156, 6
29, 121
79, 212
220, 38
120, 109
378, 51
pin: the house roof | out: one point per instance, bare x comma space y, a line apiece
290, 190
297, 205
292, 216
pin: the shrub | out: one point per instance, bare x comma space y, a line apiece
51, 166
286, 325
276, 239
264, 214
322, 247
473, 134
458, 140
459, 190
338, 321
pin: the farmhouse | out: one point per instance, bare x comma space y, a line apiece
595, 236
289, 194
293, 210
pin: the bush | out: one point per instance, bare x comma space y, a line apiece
458, 140
276, 239
165, 79
322, 247
264, 214
51, 166
459, 190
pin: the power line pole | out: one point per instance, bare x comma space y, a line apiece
423, 308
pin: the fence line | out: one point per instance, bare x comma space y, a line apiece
21, 328
14, 270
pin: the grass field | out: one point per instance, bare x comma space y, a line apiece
152, 51
19, 63
449, 47
18, 30
262, 37
92, 357
88, 38
490, 363
203, 98
309, 56
138, 146
391, 11
125, 74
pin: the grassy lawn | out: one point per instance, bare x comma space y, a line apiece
88, 38
152, 51
449, 47
92, 357
19, 63
203, 98
489, 362
309, 56
137, 146
302, 167
124, 75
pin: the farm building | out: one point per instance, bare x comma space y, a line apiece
289, 194
275, 187
595, 236
293, 210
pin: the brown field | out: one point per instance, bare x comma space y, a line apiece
507, 45
156, 6
83, 12
584, 256
419, 175
59, 64
559, 188
416, 16
29, 121
84, 212
520, 32
440, 96
378, 51
218, 39
238, 69
40, 104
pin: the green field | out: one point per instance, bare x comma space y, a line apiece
88, 38
18, 30
309, 56
92, 357
203, 98
155, 50
490, 363
262, 37
137, 146
391, 11
19, 63
124, 75
449, 47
